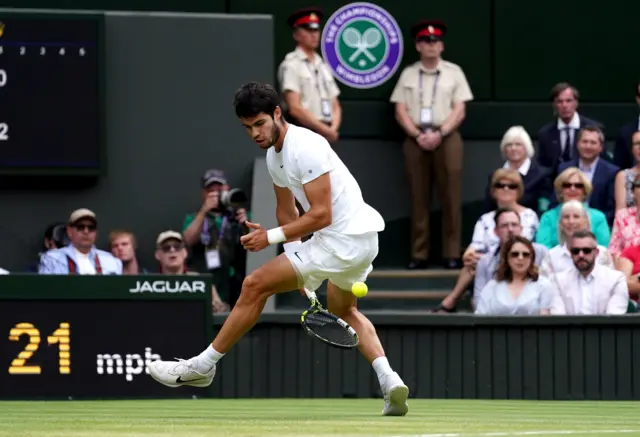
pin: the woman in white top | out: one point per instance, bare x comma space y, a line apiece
573, 217
506, 189
517, 288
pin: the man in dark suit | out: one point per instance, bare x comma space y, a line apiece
556, 140
622, 156
601, 174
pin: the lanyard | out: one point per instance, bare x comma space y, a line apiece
435, 86
205, 237
319, 78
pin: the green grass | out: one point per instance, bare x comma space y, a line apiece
326, 417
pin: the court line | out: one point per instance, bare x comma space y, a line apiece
525, 433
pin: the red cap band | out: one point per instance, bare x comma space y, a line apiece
313, 18
433, 31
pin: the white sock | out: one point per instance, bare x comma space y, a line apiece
208, 358
382, 367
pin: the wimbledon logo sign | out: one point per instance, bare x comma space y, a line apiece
362, 43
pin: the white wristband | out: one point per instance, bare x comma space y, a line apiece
276, 235
292, 246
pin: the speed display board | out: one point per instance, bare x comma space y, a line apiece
94, 337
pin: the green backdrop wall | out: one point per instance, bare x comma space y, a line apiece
512, 53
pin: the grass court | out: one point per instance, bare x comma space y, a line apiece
307, 417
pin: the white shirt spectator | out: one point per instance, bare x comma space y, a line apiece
497, 300
485, 239
603, 291
62, 261
559, 260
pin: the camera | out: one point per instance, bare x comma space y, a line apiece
233, 199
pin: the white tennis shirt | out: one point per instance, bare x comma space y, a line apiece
305, 156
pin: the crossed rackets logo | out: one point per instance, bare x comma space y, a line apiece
362, 45
370, 39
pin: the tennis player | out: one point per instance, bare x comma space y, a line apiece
344, 244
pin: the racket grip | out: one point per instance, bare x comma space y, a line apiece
311, 295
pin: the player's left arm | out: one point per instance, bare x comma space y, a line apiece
319, 215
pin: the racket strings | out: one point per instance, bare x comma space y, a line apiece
329, 329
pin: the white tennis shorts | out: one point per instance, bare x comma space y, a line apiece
342, 259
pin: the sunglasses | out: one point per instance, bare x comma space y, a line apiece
168, 247
517, 254
578, 185
82, 227
585, 250
503, 186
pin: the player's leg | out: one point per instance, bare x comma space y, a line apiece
276, 276
343, 304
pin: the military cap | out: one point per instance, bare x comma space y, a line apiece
307, 17
429, 30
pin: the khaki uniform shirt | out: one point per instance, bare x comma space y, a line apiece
451, 87
312, 80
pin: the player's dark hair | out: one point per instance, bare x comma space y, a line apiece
254, 98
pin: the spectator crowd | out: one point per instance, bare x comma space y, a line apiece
560, 230
208, 243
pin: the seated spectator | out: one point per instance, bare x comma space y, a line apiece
80, 257
123, 246
55, 237
571, 184
626, 226
507, 189
517, 149
624, 197
517, 288
622, 154
629, 265
600, 173
507, 226
573, 218
590, 288
556, 140
213, 236
171, 253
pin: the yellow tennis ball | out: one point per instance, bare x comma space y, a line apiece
359, 289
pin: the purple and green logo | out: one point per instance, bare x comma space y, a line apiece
362, 43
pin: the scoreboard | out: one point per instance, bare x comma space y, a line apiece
51, 93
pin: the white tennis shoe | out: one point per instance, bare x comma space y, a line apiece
395, 395
181, 372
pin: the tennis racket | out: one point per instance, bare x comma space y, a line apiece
327, 327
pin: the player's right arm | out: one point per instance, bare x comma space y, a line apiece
286, 210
